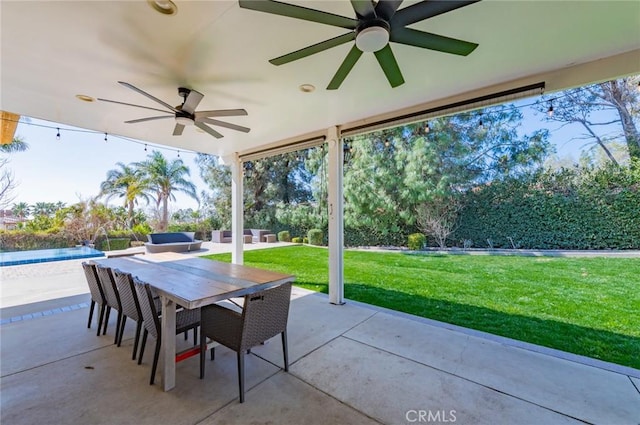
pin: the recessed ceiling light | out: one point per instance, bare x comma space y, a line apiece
307, 88
85, 98
166, 7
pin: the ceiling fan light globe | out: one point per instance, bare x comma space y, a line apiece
372, 39
184, 120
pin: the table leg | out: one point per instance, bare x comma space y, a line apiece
168, 350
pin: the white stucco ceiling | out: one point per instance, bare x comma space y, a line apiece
52, 51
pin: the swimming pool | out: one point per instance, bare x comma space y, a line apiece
15, 258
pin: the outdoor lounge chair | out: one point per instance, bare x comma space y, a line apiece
264, 315
97, 294
185, 320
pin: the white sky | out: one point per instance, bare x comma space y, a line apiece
73, 167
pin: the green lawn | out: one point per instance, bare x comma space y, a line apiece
587, 306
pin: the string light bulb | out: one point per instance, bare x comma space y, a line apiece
58, 134
550, 110
105, 137
145, 147
427, 129
386, 142
178, 154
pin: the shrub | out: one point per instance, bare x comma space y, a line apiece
296, 240
305, 240
315, 237
417, 241
142, 229
284, 236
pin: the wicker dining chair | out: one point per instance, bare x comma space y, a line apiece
112, 296
185, 320
264, 315
97, 294
130, 306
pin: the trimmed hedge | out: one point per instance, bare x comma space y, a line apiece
315, 237
19, 240
599, 209
284, 236
296, 240
114, 244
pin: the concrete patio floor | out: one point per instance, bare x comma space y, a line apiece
350, 364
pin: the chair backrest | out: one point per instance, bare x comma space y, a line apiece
97, 294
265, 314
109, 287
147, 307
128, 295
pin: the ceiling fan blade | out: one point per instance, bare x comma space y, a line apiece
131, 104
148, 119
299, 12
385, 9
363, 9
208, 129
144, 93
178, 129
316, 48
430, 41
426, 9
348, 63
221, 113
389, 65
192, 101
225, 124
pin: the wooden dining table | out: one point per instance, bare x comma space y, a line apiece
190, 282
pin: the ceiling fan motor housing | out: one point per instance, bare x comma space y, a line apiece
372, 35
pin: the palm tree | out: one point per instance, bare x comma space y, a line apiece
126, 182
41, 208
7, 181
165, 178
21, 209
17, 145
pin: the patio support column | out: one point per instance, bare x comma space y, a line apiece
336, 217
237, 211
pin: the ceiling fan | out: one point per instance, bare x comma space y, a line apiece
185, 114
375, 25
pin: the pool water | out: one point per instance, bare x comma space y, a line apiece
15, 258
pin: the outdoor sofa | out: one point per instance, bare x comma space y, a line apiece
172, 242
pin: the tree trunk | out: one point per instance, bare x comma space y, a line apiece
130, 214
615, 91
164, 213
